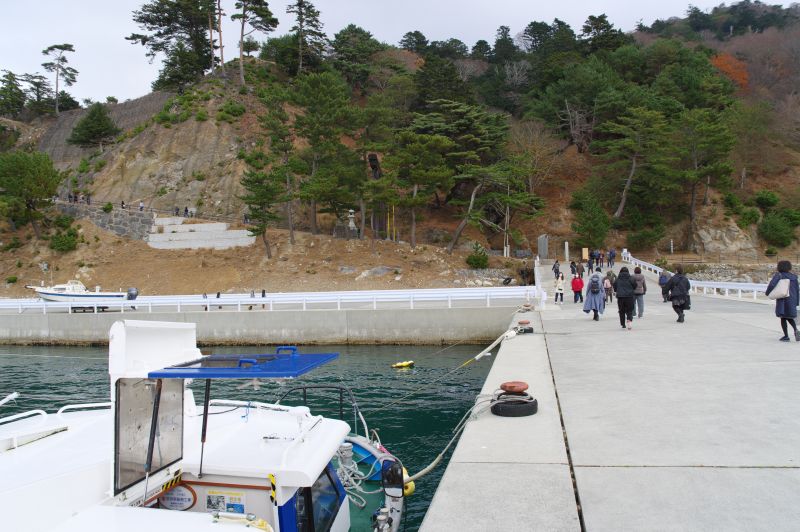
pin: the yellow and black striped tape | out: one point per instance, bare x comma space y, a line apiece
171, 483
272, 494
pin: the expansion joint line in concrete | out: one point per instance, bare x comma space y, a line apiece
564, 431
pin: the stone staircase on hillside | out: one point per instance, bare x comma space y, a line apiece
172, 233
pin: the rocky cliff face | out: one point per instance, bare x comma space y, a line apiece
189, 164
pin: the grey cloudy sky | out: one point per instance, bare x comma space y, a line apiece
110, 65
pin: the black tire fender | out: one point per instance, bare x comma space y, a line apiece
524, 406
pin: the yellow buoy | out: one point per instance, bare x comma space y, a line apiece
404, 364
408, 487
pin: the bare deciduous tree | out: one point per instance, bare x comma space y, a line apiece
537, 151
516, 73
470, 68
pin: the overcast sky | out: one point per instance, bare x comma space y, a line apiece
111, 66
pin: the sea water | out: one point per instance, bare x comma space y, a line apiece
416, 429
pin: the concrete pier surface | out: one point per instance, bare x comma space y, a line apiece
669, 426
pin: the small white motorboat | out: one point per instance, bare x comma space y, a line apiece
155, 459
75, 292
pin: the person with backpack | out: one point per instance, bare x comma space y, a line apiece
595, 297
624, 287
612, 255
639, 292
678, 289
573, 268
663, 278
577, 288
556, 267
786, 306
559, 286
608, 288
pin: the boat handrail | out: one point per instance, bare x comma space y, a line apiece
299, 438
21, 415
356, 410
251, 404
82, 406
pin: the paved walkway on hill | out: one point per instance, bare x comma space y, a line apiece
692, 426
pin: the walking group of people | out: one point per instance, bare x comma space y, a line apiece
629, 291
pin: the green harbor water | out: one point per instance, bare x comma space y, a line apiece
415, 430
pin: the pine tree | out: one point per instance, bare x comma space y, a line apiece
310, 37
591, 221
257, 15
94, 128
59, 67
29, 181
414, 41
39, 93
263, 192
12, 96
419, 163
438, 79
353, 48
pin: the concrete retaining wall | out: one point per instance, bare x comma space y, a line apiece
128, 222
362, 326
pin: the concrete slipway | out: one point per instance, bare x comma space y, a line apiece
692, 426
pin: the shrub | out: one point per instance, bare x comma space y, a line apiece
478, 259
162, 191
14, 244
766, 199
12, 279
771, 251
645, 238
83, 166
63, 221
99, 165
64, 242
732, 202
748, 217
233, 108
201, 116
108, 207
792, 216
775, 230
19, 264
661, 262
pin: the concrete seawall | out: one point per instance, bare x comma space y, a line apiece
352, 326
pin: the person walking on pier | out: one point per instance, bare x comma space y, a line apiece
663, 278
580, 269
624, 287
556, 267
577, 289
595, 297
786, 306
678, 289
639, 292
559, 286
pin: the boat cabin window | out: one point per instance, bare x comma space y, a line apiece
135, 399
318, 505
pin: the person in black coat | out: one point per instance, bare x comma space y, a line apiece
678, 289
786, 307
624, 287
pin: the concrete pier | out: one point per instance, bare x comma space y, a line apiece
669, 426
227, 327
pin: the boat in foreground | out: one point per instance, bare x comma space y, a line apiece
154, 458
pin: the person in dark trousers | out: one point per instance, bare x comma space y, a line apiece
595, 297
624, 287
559, 288
663, 278
556, 267
678, 289
612, 255
580, 269
573, 268
786, 307
577, 289
608, 288
639, 292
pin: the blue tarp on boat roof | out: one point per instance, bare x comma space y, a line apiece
279, 365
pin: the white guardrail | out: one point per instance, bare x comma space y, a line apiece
486, 296
706, 287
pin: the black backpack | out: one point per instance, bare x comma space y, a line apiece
594, 285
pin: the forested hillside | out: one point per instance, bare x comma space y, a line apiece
686, 130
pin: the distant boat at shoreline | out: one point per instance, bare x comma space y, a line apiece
74, 291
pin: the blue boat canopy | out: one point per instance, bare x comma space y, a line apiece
285, 363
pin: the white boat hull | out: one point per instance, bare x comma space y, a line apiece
88, 298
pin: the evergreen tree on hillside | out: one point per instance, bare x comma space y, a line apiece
257, 15
263, 192
95, 128
179, 30
353, 48
438, 79
599, 34
12, 96
504, 48
481, 50
58, 65
308, 28
39, 93
414, 41
250, 45
28, 182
